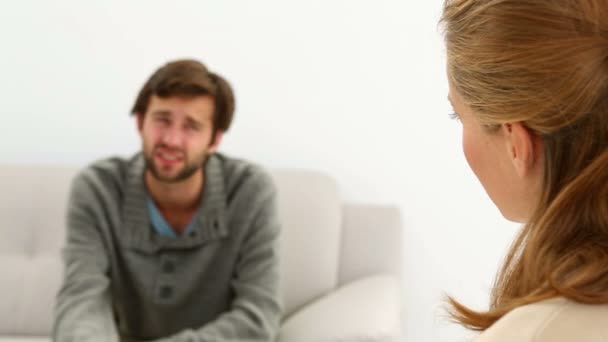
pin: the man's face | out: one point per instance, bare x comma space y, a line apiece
177, 136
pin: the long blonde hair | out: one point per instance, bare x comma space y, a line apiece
545, 64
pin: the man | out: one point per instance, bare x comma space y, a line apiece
177, 243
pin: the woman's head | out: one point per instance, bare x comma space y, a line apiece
529, 79
508, 159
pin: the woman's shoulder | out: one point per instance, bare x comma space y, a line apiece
554, 320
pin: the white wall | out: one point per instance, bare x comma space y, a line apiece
353, 88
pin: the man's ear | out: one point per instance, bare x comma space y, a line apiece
522, 147
217, 140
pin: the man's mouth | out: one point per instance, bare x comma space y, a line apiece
168, 158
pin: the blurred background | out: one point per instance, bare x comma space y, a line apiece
355, 89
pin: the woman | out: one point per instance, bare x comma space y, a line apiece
529, 82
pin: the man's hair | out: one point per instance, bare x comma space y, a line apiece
189, 78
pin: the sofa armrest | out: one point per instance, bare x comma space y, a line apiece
372, 242
365, 310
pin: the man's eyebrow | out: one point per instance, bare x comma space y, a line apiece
449, 99
193, 120
162, 112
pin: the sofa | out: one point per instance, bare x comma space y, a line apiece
340, 262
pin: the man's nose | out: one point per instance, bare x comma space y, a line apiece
172, 137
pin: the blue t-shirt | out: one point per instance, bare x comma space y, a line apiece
161, 226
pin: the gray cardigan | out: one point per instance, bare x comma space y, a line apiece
124, 282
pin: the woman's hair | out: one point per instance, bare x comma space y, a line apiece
545, 64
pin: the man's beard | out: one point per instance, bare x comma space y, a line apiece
188, 170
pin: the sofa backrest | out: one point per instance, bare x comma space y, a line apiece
310, 211
32, 230
32, 217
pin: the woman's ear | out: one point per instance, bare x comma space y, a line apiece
522, 147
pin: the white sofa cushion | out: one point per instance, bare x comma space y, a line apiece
28, 285
365, 310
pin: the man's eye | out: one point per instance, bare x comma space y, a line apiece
454, 116
193, 127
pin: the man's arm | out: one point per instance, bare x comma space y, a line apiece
256, 311
84, 311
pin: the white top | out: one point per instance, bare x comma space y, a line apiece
554, 320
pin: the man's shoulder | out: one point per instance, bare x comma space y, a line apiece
244, 176
109, 172
555, 320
